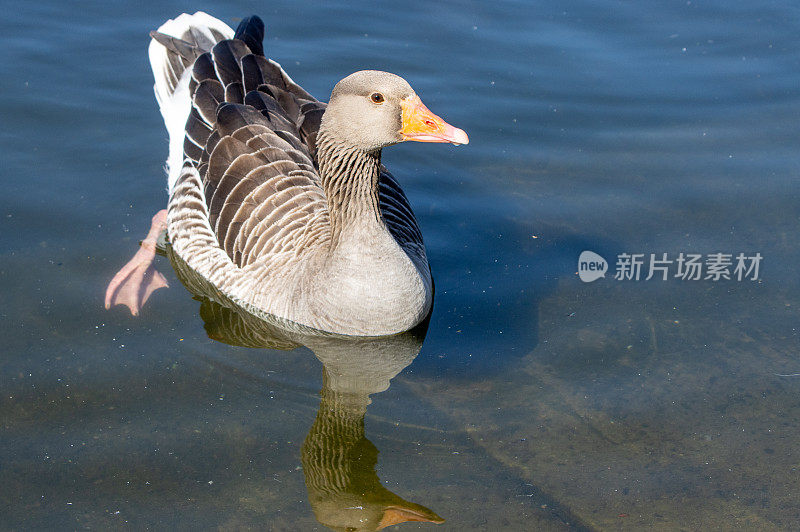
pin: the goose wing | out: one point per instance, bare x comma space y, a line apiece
399, 218
251, 134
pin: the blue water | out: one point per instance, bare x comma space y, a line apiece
537, 400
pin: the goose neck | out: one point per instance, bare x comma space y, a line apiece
350, 178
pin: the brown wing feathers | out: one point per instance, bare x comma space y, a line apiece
248, 135
397, 214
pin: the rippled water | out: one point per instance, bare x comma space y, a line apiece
536, 400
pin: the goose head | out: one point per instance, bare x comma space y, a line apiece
370, 110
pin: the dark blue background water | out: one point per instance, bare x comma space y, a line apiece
537, 400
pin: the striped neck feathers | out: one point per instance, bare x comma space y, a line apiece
350, 179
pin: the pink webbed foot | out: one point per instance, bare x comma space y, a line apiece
134, 283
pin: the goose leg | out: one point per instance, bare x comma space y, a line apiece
134, 283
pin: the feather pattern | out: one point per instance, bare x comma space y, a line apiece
248, 209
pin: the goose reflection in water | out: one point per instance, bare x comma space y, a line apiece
338, 460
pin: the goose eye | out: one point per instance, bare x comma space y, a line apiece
376, 97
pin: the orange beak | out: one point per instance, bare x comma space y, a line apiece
421, 125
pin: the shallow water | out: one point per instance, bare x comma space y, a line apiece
536, 400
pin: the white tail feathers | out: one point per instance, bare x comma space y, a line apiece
172, 80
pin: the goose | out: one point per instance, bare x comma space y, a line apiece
278, 199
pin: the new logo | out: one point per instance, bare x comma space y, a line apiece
591, 266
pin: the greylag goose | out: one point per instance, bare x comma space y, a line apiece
280, 200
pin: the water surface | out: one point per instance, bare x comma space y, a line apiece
536, 400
